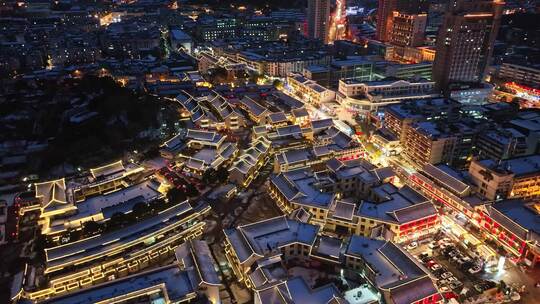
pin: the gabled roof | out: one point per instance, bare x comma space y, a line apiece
190, 104
400, 205
262, 145
227, 150
110, 169
445, 178
277, 117
197, 258
262, 237
301, 112
201, 135
334, 164
322, 124
344, 210
252, 106
517, 216
414, 291
393, 266
289, 130
296, 291
174, 143
52, 193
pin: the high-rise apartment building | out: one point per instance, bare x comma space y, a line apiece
318, 19
384, 18
465, 41
408, 29
385, 14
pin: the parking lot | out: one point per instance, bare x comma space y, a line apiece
456, 273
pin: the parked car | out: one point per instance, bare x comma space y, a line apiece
425, 253
444, 241
435, 267
433, 245
446, 275
464, 260
425, 259
448, 248
440, 272
475, 269
478, 287
456, 284
467, 265
489, 284
444, 246
412, 245
444, 289
442, 282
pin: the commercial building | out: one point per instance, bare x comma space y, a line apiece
181, 41
249, 247
386, 10
514, 177
258, 28
296, 290
448, 188
386, 141
317, 193
418, 54
514, 225
256, 112
211, 111
354, 67
273, 58
330, 198
258, 253
421, 69
318, 19
401, 215
128, 250
397, 117
196, 151
246, 168
198, 159
65, 205
429, 143
190, 278
322, 136
472, 93
384, 19
308, 157
309, 90
408, 29
525, 75
281, 67
392, 270
465, 41
285, 137
501, 143
528, 124
370, 95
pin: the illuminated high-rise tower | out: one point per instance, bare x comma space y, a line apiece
387, 8
318, 18
465, 41
384, 18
